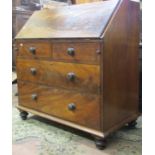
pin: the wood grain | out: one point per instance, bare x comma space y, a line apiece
61, 121
120, 65
43, 49
87, 77
84, 1
19, 18
75, 21
84, 52
55, 102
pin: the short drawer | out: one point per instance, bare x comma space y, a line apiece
34, 49
77, 52
81, 108
65, 75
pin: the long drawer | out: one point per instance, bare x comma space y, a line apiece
65, 75
81, 108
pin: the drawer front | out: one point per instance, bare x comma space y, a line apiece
77, 52
65, 75
80, 108
34, 49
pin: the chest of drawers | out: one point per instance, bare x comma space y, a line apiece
78, 66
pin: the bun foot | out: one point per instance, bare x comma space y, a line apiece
132, 124
23, 115
100, 143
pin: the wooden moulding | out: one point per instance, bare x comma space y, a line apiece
55, 119
76, 126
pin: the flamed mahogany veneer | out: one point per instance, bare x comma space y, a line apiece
78, 65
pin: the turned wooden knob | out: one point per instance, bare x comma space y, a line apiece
34, 96
33, 71
71, 76
71, 106
71, 51
32, 50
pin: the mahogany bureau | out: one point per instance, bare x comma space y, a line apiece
78, 66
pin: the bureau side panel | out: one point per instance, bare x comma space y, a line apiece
120, 66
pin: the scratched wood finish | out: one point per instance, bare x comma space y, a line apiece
69, 22
120, 66
83, 52
55, 102
43, 49
87, 77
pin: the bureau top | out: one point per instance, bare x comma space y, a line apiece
75, 21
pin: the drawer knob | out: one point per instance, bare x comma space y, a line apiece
71, 106
34, 97
71, 76
71, 51
32, 50
33, 71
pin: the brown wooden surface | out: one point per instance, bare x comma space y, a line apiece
43, 49
19, 18
120, 65
61, 121
54, 4
75, 21
84, 1
16, 3
84, 52
55, 74
55, 102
